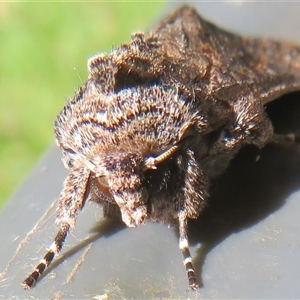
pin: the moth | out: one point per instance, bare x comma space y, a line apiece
160, 117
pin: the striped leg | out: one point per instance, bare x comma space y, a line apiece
184, 247
71, 201
45, 262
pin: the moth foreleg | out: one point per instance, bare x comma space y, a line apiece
184, 247
47, 259
286, 139
71, 201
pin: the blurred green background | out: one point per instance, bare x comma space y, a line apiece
43, 52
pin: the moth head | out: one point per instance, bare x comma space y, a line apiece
125, 180
121, 180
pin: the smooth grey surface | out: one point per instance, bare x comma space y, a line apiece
245, 245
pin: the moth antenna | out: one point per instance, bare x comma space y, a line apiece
151, 162
77, 73
54, 249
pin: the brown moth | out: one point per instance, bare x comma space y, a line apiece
160, 117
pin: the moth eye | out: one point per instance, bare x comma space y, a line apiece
103, 186
103, 181
70, 151
71, 163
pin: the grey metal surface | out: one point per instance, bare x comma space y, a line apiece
246, 244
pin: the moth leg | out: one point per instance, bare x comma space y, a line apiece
285, 139
289, 141
47, 259
184, 247
71, 201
